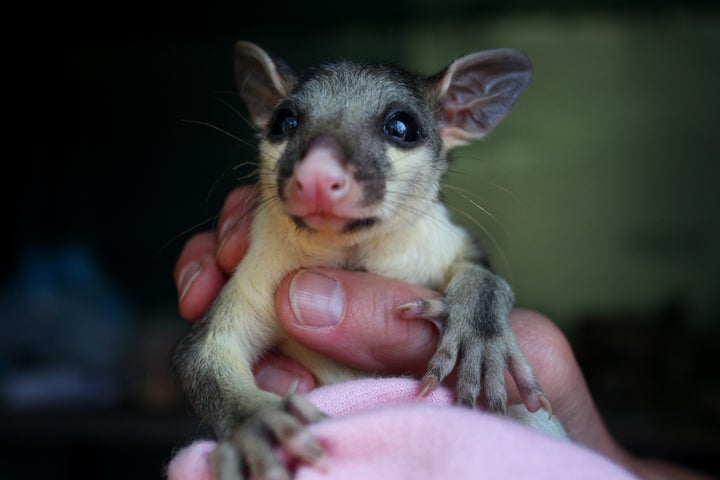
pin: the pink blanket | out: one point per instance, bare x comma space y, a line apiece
379, 430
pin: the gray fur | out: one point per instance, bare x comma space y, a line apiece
350, 102
355, 119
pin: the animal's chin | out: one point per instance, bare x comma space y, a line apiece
327, 222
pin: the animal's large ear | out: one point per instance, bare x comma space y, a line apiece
477, 91
261, 81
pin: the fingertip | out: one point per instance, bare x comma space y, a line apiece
196, 297
283, 376
196, 248
541, 340
234, 243
234, 226
186, 277
197, 277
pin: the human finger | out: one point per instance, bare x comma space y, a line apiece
197, 276
353, 318
281, 375
234, 226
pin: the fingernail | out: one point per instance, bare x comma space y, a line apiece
187, 277
226, 228
277, 380
316, 299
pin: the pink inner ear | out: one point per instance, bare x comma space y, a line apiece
478, 90
465, 115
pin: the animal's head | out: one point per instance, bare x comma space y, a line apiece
348, 147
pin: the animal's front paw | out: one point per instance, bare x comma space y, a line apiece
250, 448
476, 338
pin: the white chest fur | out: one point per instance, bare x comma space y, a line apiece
420, 252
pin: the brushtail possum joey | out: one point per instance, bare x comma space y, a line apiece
351, 158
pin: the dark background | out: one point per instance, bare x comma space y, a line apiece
603, 182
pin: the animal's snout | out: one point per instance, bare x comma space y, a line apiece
321, 181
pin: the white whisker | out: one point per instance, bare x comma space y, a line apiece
215, 127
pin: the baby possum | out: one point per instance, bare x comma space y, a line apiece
351, 158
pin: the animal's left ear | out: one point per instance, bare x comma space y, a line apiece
477, 91
261, 81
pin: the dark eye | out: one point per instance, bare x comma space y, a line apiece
282, 123
402, 128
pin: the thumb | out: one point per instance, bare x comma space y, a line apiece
351, 317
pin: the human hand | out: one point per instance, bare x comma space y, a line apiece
339, 313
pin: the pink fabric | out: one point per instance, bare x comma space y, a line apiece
380, 430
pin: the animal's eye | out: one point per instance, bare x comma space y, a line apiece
402, 128
282, 123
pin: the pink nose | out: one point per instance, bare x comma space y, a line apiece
320, 182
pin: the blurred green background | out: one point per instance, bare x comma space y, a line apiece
600, 189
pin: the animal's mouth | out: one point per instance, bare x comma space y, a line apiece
323, 221
331, 223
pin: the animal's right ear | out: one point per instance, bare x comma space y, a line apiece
261, 81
